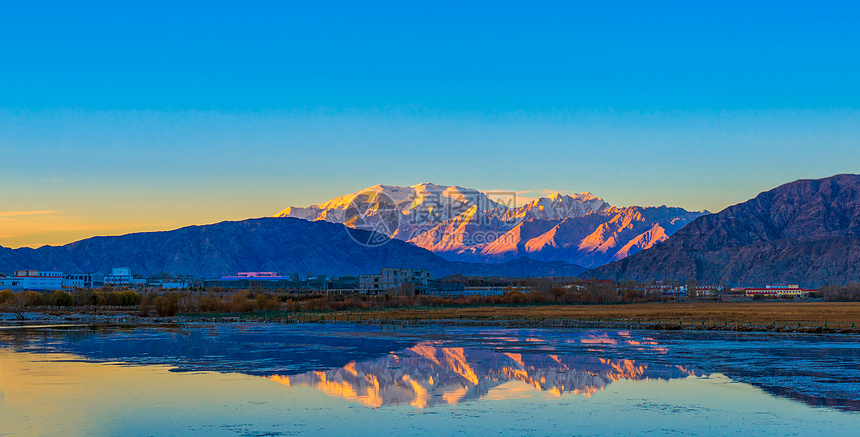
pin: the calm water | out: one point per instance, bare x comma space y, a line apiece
265, 379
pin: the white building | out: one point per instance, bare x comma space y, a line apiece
123, 276
39, 280
10, 283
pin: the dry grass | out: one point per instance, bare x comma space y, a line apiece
752, 312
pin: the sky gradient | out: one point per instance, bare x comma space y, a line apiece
128, 117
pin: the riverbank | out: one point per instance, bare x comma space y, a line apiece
623, 325
794, 317
761, 313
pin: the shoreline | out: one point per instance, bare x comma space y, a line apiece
100, 320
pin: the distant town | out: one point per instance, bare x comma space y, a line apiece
390, 281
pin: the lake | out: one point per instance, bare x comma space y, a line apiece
346, 379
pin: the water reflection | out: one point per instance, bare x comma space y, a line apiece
452, 365
62, 394
426, 375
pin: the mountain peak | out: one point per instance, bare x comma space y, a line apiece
429, 186
466, 224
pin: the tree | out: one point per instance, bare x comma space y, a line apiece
61, 298
167, 305
692, 293
11, 302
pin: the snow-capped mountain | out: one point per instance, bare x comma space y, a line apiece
559, 207
426, 375
591, 240
442, 202
463, 224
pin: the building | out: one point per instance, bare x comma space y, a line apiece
167, 284
446, 288
123, 276
253, 281
792, 290
83, 280
454, 289
314, 283
344, 283
260, 275
666, 290
9, 283
270, 281
391, 278
38, 280
707, 291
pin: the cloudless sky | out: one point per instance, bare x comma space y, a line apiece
129, 116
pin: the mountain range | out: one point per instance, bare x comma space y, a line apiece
464, 224
805, 232
265, 244
426, 375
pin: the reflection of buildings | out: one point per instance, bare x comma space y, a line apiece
425, 375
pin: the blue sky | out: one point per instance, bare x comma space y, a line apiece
124, 116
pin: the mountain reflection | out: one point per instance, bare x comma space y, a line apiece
426, 375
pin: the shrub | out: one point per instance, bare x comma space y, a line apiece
6, 296
82, 296
265, 302
62, 299
846, 293
167, 305
145, 306
129, 298
98, 298
239, 303
32, 299
199, 303
515, 297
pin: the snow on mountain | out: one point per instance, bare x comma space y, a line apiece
559, 207
590, 240
450, 236
429, 202
437, 375
462, 224
643, 241
510, 243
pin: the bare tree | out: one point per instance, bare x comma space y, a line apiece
14, 305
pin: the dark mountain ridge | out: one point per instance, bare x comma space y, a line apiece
805, 232
284, 245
